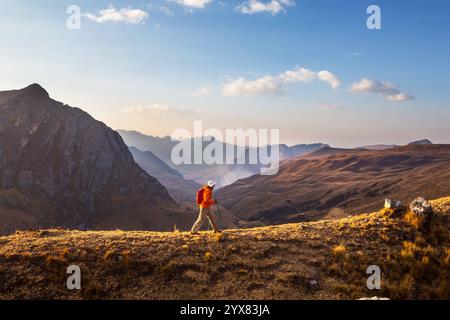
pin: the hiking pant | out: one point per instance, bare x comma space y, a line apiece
204, 213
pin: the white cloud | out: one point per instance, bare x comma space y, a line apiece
124, 15
330, 78
202, 91
243, 87
198, 4
256, 6
274, 84
400, 97
159, 110
299, 74
386, 89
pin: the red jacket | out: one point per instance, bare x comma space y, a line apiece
207, 198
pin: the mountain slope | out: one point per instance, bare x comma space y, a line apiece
179, 188
333, 182
160, 147
315, 260
299, 149
61, 167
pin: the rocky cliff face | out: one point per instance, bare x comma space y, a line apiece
71, 170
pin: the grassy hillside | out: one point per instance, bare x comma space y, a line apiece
311, 260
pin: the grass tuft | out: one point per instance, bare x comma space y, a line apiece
339, 250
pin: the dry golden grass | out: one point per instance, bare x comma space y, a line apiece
218, 237
316, 260
409, 249
339, 250
208, 256
447, 256
108, 256
413, 219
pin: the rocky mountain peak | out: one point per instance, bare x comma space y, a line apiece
35, 91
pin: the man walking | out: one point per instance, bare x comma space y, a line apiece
205, 201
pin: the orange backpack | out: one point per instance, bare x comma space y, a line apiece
199, 197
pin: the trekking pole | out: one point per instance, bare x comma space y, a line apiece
218, 213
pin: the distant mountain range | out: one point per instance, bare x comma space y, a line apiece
223, 174
61, 167
390, 146
331, 183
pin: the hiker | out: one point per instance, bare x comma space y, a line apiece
205, 201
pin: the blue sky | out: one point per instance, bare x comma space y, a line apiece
232, 66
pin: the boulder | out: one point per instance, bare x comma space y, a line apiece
421, 207
392, 204
423, 210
